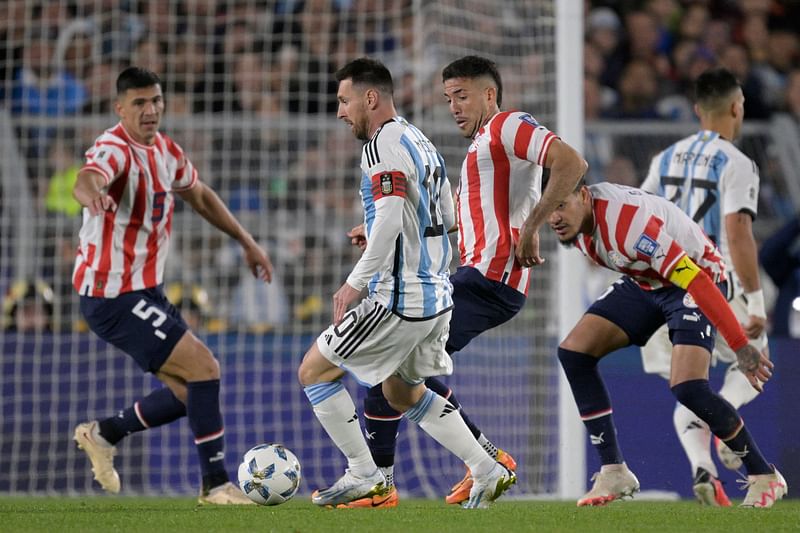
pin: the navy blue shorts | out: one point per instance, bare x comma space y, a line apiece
479, 305
143, 324
640, 313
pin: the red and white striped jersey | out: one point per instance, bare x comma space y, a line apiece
125, 250
501, 181
644, 236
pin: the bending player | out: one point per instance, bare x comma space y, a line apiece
498, 193
717, 185
675, 275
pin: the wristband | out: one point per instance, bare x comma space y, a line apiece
755, 303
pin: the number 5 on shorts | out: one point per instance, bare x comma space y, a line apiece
144, 312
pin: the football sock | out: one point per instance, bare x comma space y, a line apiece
695, 437
593, 403
724, 422
205, 419
381, 423
436, 417
335, 410
158, 408
736, 389
445, 392
487, 445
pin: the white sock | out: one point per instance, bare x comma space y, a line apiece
439, 419
736, 389
487, 445
695, 437
336, 412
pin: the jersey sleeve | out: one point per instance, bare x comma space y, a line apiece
740, 190
387, 176
652, 182
107, 159
655, 247
524, 137
185, 173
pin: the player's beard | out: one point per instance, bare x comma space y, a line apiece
361, 129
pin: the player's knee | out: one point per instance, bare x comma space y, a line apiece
571, 359
207, 365
693, 393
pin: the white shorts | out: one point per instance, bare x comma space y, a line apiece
372, 343
657, 353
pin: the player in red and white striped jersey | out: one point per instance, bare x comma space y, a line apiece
674, 275
500, 208
126, 188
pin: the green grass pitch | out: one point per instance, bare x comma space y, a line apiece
153, 515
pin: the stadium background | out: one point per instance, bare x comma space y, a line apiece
250, 97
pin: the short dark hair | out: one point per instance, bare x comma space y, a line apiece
367, 71
136, 78
714, 85
474, 67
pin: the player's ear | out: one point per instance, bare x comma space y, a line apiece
373, 97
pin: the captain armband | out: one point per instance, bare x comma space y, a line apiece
684, 272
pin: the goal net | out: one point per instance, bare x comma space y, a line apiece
251, 98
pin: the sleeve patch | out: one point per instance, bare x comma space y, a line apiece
646, 245
389, 184
528, 118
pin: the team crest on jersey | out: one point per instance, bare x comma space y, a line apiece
527, 117
387, 186
689, 302
646, 246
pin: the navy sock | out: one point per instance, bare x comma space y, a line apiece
158, 408
593, 402
724, 422
445, 392
381, 423
205, 419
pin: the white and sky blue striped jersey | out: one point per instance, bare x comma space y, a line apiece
707, 177
408, 209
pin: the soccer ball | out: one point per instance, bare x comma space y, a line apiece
269, 474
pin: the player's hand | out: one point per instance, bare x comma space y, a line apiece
342, 300
755, 326
258, 261
358, 237
754, 365
528, 247
101, 203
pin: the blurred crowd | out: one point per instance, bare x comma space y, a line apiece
640, 57
250, 96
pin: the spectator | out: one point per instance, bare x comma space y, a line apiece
792, 96
735, 58
64, 166
28, 307
638, 92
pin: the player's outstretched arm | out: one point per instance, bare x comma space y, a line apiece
205, 201
88, 191
566, 169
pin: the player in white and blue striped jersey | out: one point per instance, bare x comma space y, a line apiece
395, 336
713, 182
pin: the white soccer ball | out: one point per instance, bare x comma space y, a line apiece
269, 474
